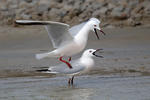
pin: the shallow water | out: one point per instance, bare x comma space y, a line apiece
85, 88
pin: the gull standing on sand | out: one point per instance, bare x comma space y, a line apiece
81, 65
67, 41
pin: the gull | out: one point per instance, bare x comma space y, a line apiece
79, 66
66, 41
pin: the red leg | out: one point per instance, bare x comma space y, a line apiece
69, 81
69, 65
72, 80
69, 59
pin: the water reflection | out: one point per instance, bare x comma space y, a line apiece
71, 93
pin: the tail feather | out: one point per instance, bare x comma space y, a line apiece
41, 56
44, 55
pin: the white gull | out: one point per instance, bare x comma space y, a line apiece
81, 65
67, 41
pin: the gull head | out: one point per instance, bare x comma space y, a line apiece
92, 53
94, 25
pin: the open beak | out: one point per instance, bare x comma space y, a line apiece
103, 32
100, 31
96, 33
94, 53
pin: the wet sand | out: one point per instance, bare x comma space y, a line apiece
125, 51
123, 73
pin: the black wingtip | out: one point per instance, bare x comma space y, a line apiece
42, 70
31, 23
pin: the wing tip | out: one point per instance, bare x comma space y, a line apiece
23, 22
17, 21
33, 22
46, 71
42, 70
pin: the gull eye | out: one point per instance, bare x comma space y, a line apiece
95, 25
90, 51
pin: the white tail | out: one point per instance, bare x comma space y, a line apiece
41, 56
45, 55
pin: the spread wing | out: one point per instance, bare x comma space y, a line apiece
75, 29
58, 32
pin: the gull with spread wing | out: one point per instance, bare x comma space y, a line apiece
66, 41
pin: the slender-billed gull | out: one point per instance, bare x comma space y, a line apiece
81, 65
67, 41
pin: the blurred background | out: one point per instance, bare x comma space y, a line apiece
112, 13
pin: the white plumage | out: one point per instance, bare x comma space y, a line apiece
67, 41
81, 65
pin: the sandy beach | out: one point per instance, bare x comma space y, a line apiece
123, 73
